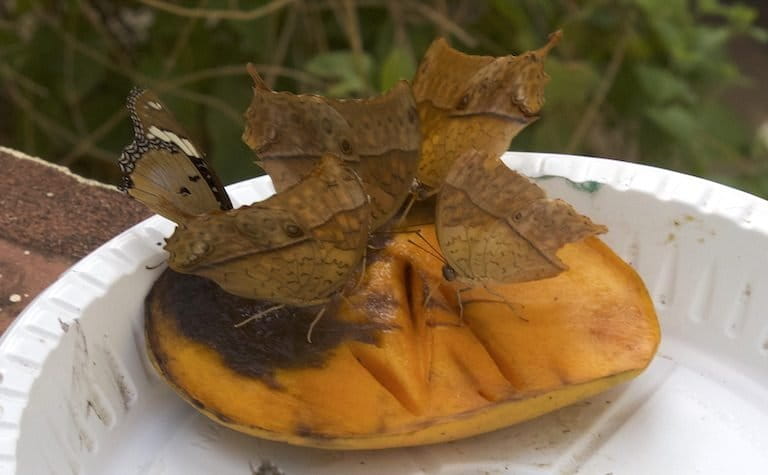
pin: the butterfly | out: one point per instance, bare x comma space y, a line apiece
377, 137
163, 168
473, 102
495, 226
298, 247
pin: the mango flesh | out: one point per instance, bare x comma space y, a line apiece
398, 363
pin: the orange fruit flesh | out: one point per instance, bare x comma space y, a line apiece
397, 362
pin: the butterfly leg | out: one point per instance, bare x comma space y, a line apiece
406, 209
362, 269
503, 300
314, 322
428, 297
258, 315
506, 302
461, 304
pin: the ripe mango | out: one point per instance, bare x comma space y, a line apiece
397, 361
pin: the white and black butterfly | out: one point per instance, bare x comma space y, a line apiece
162, 168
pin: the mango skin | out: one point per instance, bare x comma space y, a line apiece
430, 376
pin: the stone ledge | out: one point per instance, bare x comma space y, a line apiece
49, 219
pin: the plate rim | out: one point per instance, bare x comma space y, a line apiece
668, 185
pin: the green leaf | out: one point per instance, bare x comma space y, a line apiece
571, 83
348, 72
661, 85
399, 64
230, 156
758, 34
676, 121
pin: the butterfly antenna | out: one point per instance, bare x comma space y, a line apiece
418, 233
432, 251
258, 315
436, 256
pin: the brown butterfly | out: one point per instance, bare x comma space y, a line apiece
495, 226
298, 247
378, 137
163, 168
470, 102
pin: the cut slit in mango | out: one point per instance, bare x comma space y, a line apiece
392, 364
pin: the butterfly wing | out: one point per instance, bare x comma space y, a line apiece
494, 225
289, 133
378, 137
387, 139
163, 168
473, 102
297, 247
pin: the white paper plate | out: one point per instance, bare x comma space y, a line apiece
85, 400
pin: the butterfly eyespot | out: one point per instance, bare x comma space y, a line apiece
411, 115
200, 248
463, 102
292, 230
346, 147
518, 216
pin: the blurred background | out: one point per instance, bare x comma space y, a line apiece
681, 84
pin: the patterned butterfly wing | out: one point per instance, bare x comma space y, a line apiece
289, 133
378, 137
163, 168
387, 140
494, 225
297, 247
473, 102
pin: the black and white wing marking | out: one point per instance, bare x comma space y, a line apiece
163, 168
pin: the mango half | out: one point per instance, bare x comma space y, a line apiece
397, 362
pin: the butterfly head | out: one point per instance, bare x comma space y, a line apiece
449, 273
188, 249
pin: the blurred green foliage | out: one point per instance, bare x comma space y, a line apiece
639, 80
